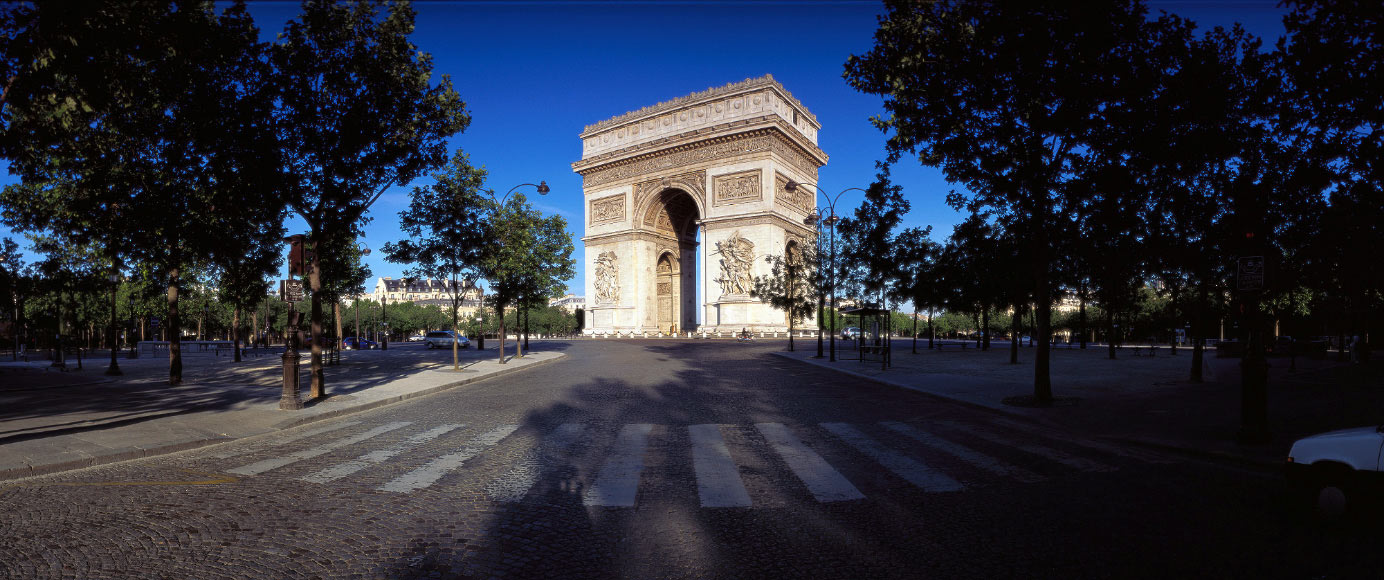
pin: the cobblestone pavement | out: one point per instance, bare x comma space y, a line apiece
667, 459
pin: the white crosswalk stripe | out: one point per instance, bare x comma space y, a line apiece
964, 453
619, 477
515, 484
822, 480
285, 439
277, 462
718, 478
1062, 457
339, 471
434, 470
1140, 454
914, 471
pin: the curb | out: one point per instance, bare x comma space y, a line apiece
296, 422
48, 469
1203, 454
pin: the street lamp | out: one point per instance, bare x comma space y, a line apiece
830, 220
114, 369
542, 188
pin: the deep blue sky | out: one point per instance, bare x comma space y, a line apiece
533, 74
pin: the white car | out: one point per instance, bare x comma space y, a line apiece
445, 338
417, 338
1338, 470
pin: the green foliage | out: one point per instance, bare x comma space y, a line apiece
444, 223
790, 285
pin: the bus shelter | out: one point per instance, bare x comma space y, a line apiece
874, 341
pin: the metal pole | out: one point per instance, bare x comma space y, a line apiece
289, 400
831, 275
114, 369
384, 315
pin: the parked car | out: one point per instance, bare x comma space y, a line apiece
1332, 472
444, 339
850, 333
358, 343
418, 338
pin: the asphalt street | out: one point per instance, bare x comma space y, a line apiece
671, 459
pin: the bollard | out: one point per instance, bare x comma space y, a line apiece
289, 400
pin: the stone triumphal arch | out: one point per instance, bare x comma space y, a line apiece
684, 199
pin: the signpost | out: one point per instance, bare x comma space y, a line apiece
291, 291
1249, 273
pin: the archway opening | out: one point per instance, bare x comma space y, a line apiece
674, 218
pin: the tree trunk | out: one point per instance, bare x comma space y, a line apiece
976, 318
1110, 330
336, 344
235, 332
1199, 332
1014, 339
985, 329
319, 387
500, 310
915, 328
1042, 378
525, 312
1081, 301
931, 330
174, 327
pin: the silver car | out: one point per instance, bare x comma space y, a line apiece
444, 339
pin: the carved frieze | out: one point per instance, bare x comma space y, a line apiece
704, 151
665, 288
608, 209
799, 199
737, 188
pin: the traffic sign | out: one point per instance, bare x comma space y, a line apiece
291, 290
1249, 273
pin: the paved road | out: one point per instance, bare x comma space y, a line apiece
651, 459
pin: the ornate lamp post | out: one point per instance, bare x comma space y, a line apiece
542, 188
830, 219
114, 368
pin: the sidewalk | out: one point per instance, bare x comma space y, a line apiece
54, 421
1136, 399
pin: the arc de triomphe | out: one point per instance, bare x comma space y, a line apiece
696, 180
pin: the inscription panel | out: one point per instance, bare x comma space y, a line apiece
800, 199
735, 188
608, 209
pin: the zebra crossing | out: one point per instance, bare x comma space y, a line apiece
941, 457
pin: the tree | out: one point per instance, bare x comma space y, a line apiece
527, 261
916, 256
1329, 62
133, 126
444, 223
790, 284
356, 114
868, 237
1001, 96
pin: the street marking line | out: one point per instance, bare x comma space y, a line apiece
434, 470
822, 480
718, 478
1032, 448
967, 454
216, 479
282, 440
914, 471
618, 481
277, 462
515, 484
1147, 456
374, 457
